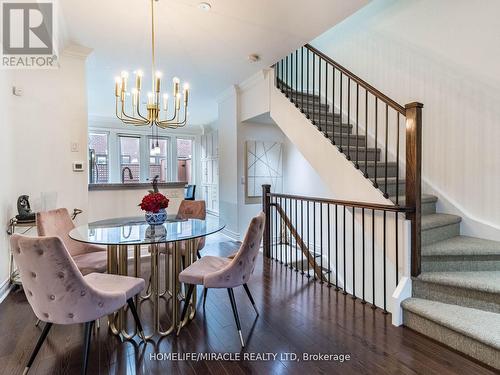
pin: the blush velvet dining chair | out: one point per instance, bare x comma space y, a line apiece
223, 272
59, 294
88, 258
189, 210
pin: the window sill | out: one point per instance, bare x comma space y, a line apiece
136, 186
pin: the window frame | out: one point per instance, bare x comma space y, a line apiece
108, 149
168, 139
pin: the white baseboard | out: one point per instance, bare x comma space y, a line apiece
5, 289
402, 292
232, 235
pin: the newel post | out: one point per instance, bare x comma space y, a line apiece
266, 208
414, 180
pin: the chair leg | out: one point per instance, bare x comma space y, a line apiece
132, 308
251, 298
37, 323
38, 345
235, 313
198, 254
186, 306
205, 292
86, 346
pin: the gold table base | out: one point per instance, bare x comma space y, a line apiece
118, 264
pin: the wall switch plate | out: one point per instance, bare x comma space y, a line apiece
78, 166
17, 91
75, 147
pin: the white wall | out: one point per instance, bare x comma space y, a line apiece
7, 197
445, 54
38, 129
228, 160
106, 204
250, 131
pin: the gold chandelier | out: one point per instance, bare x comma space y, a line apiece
157, 105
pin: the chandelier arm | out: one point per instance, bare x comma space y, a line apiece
170, 120
177, 123
131, 119
147, 122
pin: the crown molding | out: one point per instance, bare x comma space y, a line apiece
77, 51
254, 79
226, 94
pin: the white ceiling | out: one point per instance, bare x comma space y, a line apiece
208, 49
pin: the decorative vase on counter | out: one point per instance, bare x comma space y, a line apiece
154, 204
157, 218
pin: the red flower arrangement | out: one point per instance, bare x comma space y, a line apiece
154, 202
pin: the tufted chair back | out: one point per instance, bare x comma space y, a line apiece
54, 287
193, 210
241, 267
58, 223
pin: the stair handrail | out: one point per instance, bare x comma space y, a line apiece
287, 81
396, 106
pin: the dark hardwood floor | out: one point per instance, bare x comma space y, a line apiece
296, 316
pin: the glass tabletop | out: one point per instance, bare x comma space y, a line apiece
135, 230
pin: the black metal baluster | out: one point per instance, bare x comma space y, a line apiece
363, 249
376, 141
286, 77
385, 262
276, 224
321, 238
302, 79
302, 235
336, 250
287, 243
308, 110
357, 127
277, 75
326, 98
291, 237
366, 135
397, 159
308, 241
344, 239
397, 247
290, 86
271, 227
348, 155
296, 239
386, 147
341, 113
314, 90
329, 247
281, 232
320, 126
333, 105
296, 78
373, 260
353, 253
314, 236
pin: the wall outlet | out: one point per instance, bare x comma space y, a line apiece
78, 166
75, 147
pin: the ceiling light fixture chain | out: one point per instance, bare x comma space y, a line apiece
157, 107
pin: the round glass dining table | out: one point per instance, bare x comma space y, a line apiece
177, 239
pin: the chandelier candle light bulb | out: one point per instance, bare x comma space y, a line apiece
155, 103
138, 79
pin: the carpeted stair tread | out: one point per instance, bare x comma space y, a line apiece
483, 281
462, 245
483, 326
426, 198
439, 220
